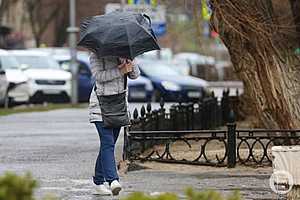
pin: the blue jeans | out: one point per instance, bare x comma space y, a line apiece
105, 169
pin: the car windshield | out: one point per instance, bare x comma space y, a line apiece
42, 62
158, 69
8, 62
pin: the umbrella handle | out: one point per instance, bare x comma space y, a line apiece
149, 19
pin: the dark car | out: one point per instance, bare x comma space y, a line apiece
140, 89
85, 81
170, 84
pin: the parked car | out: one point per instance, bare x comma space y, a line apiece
85, 80
62, 56
18, 90
3, 86
140, 89
165, 54
197, 65
47, 82
170, 84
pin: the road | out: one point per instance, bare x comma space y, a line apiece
59, 148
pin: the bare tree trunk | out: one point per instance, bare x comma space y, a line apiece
40, 24
261, 45
4, 7
198, 22
37, 39
61, 24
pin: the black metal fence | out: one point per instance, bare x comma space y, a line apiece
208, 113
253, 146
189, 147
186, 134
208, 147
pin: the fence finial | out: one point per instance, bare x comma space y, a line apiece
237, 92
143, 111
213, 94
228, 91
135, 113
149, 107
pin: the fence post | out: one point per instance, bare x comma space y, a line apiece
225, 107
200, 110
231, 141
162, 116
191, 112
173, 117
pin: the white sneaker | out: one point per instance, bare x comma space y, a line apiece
102, 190
115, 187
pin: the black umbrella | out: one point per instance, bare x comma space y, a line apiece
121, 34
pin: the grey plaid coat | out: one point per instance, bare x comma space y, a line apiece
109, 81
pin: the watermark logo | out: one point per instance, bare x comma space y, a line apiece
281, 182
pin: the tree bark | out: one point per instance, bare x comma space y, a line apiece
261, 43
295, 7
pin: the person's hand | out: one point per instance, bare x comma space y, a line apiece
126, 66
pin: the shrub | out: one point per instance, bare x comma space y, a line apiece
142, 196
14, 187
210, 195
190, 195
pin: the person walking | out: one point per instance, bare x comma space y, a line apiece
115, 39
108, 73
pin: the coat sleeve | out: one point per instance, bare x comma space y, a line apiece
135, 73
103, 75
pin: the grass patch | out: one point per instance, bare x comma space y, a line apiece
38, 108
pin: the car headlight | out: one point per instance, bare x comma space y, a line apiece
170, 86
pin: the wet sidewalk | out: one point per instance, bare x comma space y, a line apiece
59, 148
252, 183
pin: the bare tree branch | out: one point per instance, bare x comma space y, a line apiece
36, 9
